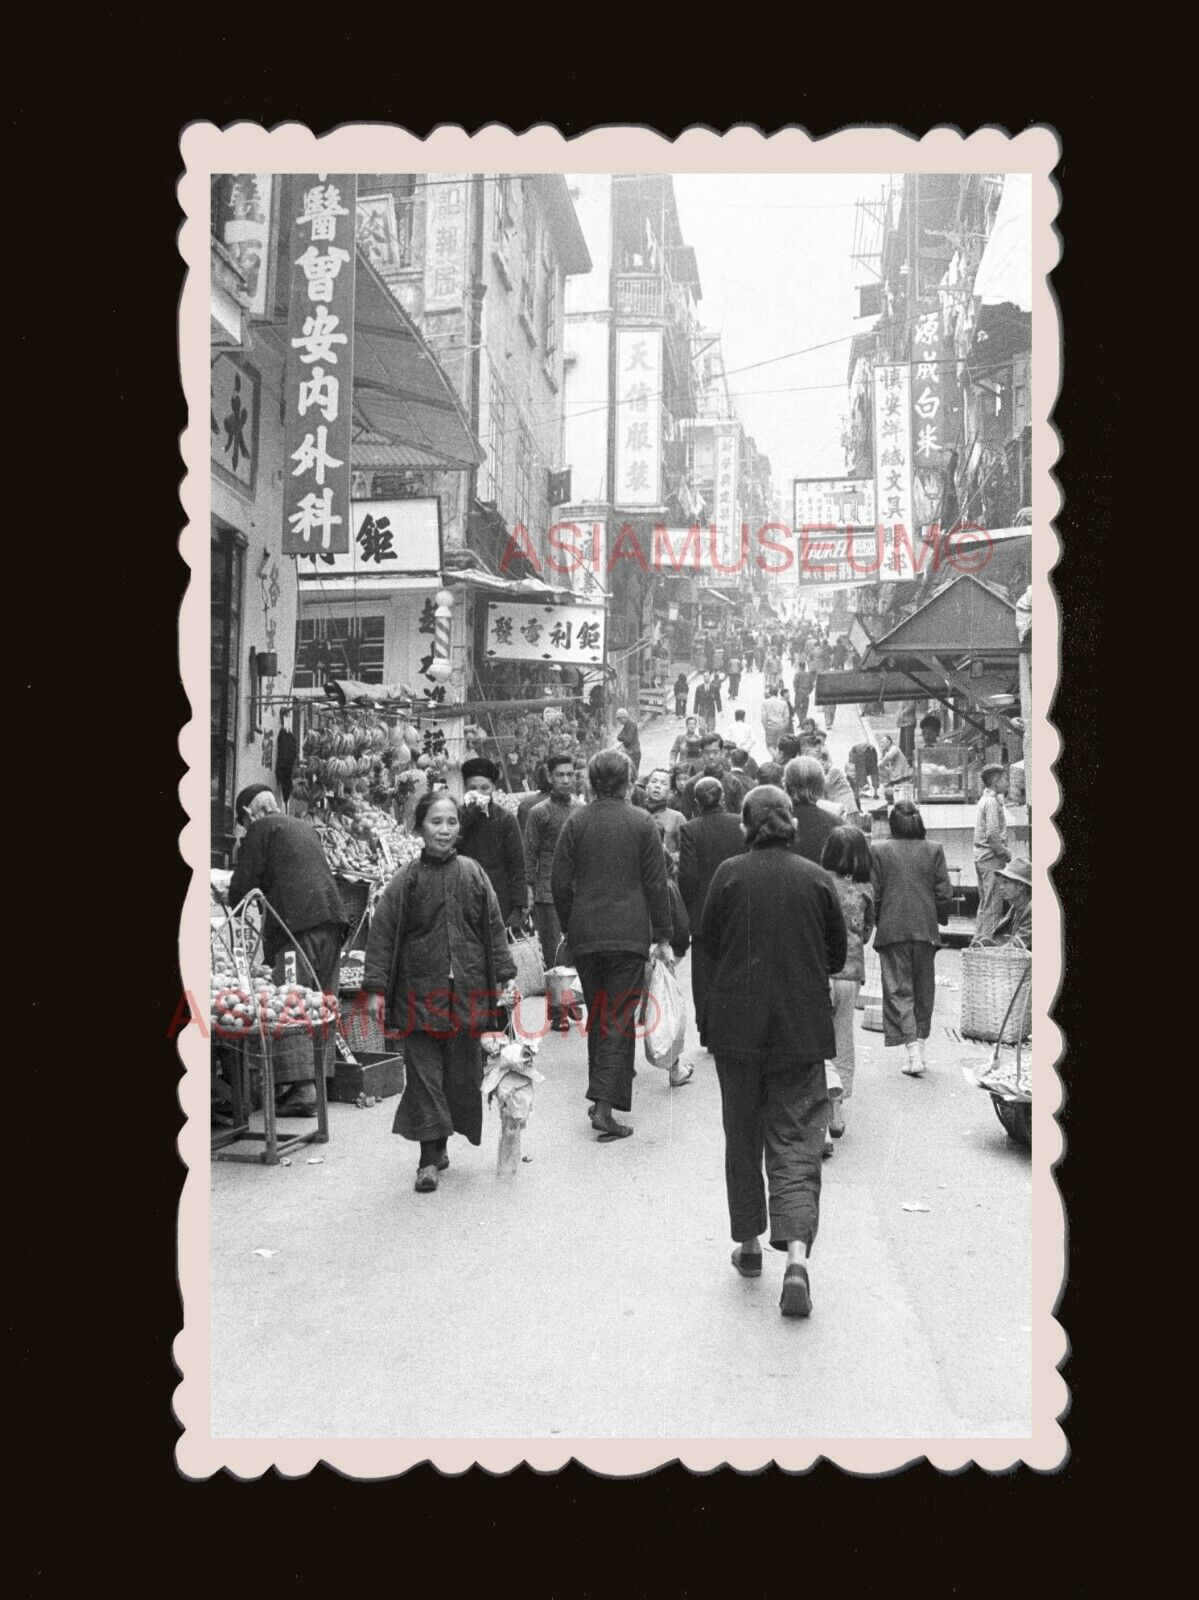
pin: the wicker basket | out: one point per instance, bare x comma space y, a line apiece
361, 1026
991, 976
530, 963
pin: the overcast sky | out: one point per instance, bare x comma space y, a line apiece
773, 253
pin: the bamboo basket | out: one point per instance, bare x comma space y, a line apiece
991, 976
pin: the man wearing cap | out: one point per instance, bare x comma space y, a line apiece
1015, 884
629, 739
282, 857
990, 846
491, 836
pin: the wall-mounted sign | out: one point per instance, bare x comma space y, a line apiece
234, 422
936, 400
638, 417
833, 517
387, 537
893, 467
319, 383
445, 241
727, 509
518, 631
242, 222
378, 233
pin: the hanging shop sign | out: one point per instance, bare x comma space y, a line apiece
833, 520
445, 242
936, 399
387, 538
638, 417
234, 422
378, 233
242, 222
893, 468
319, 383
728, 512
572, 635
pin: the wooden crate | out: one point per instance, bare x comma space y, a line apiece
376, 1074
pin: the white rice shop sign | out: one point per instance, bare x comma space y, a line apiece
569, 635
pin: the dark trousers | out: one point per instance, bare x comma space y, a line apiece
443, 1082
909, 991
776, 1114
549, 932
613, 984
734, 684
320, 947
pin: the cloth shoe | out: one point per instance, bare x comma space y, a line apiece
915, 1066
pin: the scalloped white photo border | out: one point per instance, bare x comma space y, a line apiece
247, 147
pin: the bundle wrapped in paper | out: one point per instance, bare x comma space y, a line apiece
511, 1079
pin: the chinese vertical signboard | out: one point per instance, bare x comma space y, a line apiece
319, 386
234, 421
445, 242
935, 399
638, 417
572, 635
893, 467
243, 225
726, 510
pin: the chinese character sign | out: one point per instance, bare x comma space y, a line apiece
387, 538
936, 412
233, 423
319, 386
834, 511
445, 242
638, 417
893, 463
726, 511
572, 635
243, 226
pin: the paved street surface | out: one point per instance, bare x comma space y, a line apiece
592, 1296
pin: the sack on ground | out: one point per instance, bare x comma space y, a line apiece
664, 1016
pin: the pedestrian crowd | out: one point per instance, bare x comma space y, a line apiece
752, 850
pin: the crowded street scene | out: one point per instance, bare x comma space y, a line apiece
621, 890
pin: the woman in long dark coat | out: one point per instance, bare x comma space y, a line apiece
712, 836
913, 897
438, 955
774, 932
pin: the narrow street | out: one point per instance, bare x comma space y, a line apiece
592, 1295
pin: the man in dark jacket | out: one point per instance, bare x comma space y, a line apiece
546, 821
282, 857
491, 836
610, 892
705, 704
712, 752
534, 799
803, 780
629, 739
710, 838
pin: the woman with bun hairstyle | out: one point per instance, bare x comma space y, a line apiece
774, 933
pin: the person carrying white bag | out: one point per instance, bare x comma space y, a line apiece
663, 1011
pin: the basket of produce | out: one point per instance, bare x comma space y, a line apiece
992, 975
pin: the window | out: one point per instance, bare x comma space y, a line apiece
495, 438
338, 647
524, 475
529, 265
227, 571
549, 306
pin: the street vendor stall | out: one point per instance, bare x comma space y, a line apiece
960, 648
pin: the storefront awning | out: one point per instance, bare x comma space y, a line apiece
715, 594
402, 397
472, 578
965, 618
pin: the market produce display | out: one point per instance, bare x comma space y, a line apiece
357, 753
362, 843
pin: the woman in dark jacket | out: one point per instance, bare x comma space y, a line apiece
773, 930
437, 955
712, 836
912, 896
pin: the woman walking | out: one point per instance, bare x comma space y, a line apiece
774, 933
437, 955
712, 836
912, 895
846, 857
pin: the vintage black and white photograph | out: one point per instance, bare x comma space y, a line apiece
629, 802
